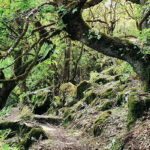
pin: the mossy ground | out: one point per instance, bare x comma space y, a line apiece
100, 112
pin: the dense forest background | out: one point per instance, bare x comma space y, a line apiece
82, 64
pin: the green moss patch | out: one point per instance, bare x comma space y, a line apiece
100, 78
107, 105
84, 85
67, 95
99, 123
25, 114
108, 93
34, 135
42, 104
116, 144
90, 97
15, 126
122, 97
80, 105
136, 107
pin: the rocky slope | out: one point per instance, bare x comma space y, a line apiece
107, 112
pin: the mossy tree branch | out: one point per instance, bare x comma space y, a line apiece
78, 30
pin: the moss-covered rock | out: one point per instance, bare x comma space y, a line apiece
107, 105
42, 104
70, 101
137, 105
51, 119
99, 123
100, 78
67, 94
95, 102
84, 85
67, 111
90, 97
116, 144
68, 89
122, 87
122, 97
25, 114
108, 93
15, 126
39, 101
80, 105
109, 71
69, 118
34, 135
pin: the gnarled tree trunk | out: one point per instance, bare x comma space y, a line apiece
110, 46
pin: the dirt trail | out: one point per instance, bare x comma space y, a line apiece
58, 137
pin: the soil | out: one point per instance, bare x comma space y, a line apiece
58, 137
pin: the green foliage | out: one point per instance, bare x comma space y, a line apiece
5, 111
123, 68
3, 136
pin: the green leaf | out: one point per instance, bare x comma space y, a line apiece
51, 9
6, 147
74, 10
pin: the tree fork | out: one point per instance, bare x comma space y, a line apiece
78, 30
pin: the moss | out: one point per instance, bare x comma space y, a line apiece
42, 104
108, 93
25, 113
95, 102
100, 78
68, 89
15, 126
121, 87
90, 97
116, 144
84, 85
121, 97
109, 71
67, 94
68, 119
70, 101
97, 127
79, 106
67, 111
79, 116
107, 105
32, 136
136, 108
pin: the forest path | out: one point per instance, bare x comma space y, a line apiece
59, 138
